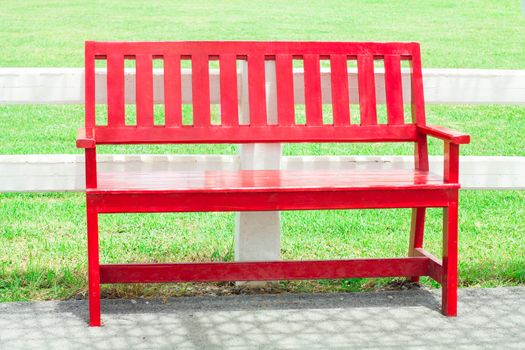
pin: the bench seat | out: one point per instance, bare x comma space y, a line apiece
268, 180
259, 190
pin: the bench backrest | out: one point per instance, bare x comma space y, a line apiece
342, 129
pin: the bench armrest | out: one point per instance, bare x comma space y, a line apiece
452, 139
83, 141
444, 134
89, 144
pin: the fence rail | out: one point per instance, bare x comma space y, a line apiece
66, 86
256, 234
44, 173
442, 86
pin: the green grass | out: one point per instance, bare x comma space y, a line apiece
495, 130
42, 236
43, 247
460, 34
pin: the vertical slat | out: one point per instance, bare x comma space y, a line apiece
257, 90
229, 98
367, 91
451, 168
144, 90
340, 98
393, 90
312, 90
89, 64
418, 101
115, 90
418, 110
200, 90
172, 91
285, 90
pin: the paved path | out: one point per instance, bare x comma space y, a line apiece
489, 318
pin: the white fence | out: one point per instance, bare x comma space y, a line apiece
257, 234
57, 172
442, 86
66, 86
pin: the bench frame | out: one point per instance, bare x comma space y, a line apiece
418, 263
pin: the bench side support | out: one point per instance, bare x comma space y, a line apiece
92, 240
93, 266
450, 234
417, 224
450, 259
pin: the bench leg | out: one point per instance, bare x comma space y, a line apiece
450, 260
417, 230
93, 268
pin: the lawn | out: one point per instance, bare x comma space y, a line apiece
495, 130
42, 236
43, 246
459, 34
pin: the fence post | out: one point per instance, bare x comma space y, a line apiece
257, 234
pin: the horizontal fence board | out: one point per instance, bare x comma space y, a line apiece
442, 86
44, 173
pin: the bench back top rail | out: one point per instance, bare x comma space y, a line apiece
343, 127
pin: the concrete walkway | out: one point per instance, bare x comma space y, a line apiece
489, 318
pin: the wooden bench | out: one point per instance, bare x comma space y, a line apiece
269, 190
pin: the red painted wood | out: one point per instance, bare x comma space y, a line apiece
421, 163
93, 267
417, 229
435, 267
340, 97
83, 141
269, 271
367, 92
416, 84
394, 90
270, 48
282, 53
444, 134
92, 245
271, 180
172, 91
418, 110
138, 201
451, 164
144, 91
89, 90
450, 259
91, 168
200, 90
115, 90
268, 190
250, 134
285, 90
312, 90
257, 90
421, 152
229, 99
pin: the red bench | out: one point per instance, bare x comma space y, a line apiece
276, 189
